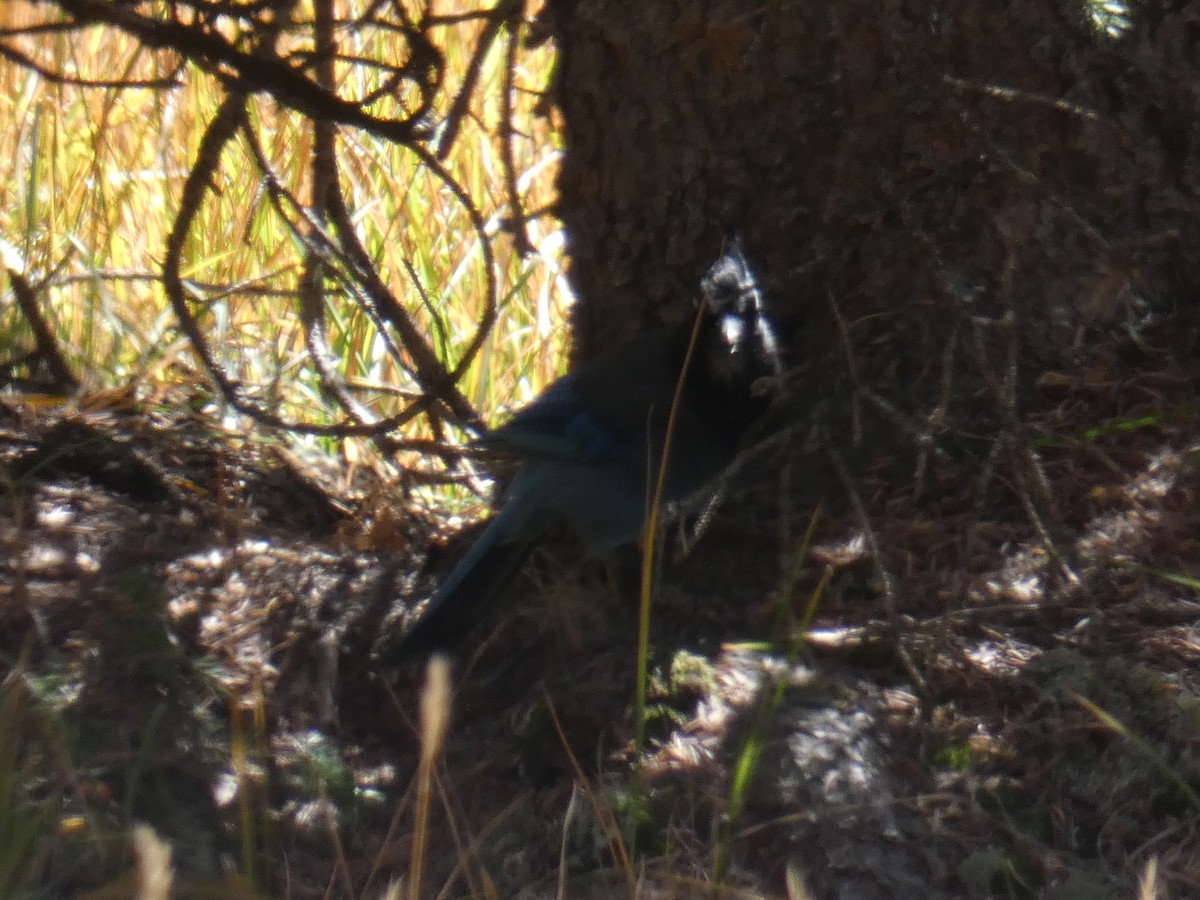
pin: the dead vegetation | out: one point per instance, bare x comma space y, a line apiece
203, 635
991, 433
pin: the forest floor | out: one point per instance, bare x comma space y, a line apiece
992, 700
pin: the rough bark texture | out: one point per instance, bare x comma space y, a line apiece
917, 165
974, 218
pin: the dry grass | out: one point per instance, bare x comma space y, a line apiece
91, 179
180, 614
90, 182
997, 784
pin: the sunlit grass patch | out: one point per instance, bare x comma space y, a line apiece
91, 179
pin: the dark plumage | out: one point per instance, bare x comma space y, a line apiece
593, 439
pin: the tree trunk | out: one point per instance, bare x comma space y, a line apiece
890, 159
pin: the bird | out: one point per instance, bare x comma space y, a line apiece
591, 443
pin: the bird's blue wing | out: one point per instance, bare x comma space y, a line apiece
592, 441
558, 425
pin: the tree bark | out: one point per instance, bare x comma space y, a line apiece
867, 152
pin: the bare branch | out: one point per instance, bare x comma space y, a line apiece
43, 335
12, 54
258, 72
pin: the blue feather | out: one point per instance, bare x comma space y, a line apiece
591, 443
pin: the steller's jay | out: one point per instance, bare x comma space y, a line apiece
593, 440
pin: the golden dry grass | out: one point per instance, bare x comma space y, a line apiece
90, 180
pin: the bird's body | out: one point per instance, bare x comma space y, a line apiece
592, 443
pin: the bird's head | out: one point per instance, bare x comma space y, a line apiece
741, 345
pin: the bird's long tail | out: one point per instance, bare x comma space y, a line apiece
479, 578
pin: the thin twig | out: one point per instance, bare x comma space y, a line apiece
43, 335
887, 583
